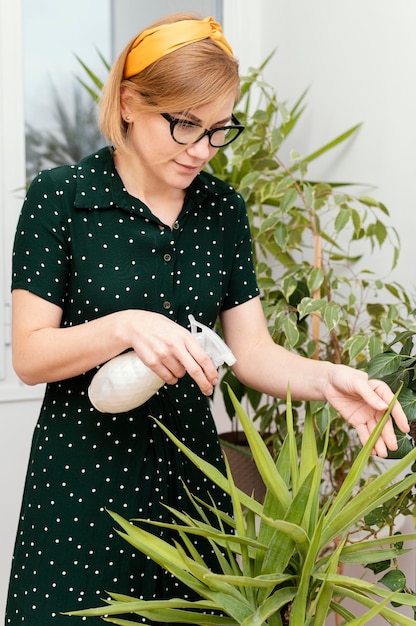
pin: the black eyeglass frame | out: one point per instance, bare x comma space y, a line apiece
173, 121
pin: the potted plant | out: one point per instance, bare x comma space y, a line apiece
311, 240
279, 563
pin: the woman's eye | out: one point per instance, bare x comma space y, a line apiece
186, 124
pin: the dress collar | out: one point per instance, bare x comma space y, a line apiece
98, 186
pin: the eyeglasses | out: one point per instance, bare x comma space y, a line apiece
185, 132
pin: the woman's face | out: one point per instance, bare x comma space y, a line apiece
159, 157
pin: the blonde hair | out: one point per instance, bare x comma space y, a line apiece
195, 75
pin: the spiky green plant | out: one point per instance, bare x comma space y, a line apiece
282, 557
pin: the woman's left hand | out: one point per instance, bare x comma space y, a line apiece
362, 402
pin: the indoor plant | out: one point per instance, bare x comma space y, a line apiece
311, 241
280, 565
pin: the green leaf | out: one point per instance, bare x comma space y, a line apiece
270, 607
315, 279
331, 315
250, 179
271, 477
310, 305
407, 399
291, 332
332, 144
369, 201
383, 364
289, 200
341, 220
394, 580
289, 286
355, 346
280, 235
375, 346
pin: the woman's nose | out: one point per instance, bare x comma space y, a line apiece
201, 149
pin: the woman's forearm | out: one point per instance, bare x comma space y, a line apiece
45, 352
270, 368
49, 354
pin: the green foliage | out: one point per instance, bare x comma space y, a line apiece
312, 240
397, 367
283, 556
72, 135
94, 86
73, 132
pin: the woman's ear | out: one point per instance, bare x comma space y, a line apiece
125, 107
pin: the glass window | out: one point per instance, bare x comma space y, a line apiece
59, 112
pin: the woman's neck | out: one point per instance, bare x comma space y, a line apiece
165, 203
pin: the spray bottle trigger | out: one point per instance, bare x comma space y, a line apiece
212, 343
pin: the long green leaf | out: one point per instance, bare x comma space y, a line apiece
272, 507
293, 450
173, 617
320, 608
269, 581
372, 495
393, 617
262, 456
202, 530
269, 607
359, 585
373, 556
299, 607
364, 619
246, 562
120, 607
380, 541
212, 472
308, 453
360, 463
332, 144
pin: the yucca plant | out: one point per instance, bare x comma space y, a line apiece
279, 564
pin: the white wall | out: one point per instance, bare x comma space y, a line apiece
358, 58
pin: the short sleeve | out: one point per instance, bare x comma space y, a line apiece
40, 254
242, 285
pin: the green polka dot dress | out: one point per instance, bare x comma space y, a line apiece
86, 245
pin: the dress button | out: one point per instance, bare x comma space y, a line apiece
176, 225
167, 257
166, 304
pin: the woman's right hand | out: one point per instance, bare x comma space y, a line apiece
170, 350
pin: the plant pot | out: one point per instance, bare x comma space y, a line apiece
244, 471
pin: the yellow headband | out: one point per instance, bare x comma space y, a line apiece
154, 43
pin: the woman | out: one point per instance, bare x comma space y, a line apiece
113, 254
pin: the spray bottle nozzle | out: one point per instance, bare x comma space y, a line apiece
212, 343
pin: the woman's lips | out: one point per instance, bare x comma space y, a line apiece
190, 169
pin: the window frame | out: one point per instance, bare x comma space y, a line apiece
12, 183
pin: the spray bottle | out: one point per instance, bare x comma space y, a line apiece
125, 382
